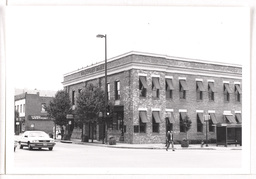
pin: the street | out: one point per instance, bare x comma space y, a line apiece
74, 155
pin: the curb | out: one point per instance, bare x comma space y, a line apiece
138, 147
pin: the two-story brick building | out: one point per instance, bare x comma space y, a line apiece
154, 93
32, 114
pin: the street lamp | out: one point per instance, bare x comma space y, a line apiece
106, 93
206, 119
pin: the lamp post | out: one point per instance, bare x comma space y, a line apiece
206, 119
106, 93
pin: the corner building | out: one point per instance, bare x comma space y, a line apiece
154, 93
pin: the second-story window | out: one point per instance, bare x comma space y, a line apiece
155, 87
73, 97
117, 90
143, 86
43, 107
238, 92
211, 91
227, 92
169, 88
183, 87
155, 121
199, 90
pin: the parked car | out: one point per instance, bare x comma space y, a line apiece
36, 139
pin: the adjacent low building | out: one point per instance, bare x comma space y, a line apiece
32, 115
154, 93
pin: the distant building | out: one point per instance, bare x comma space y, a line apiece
154, 93
32, 115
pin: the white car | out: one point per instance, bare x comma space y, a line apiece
36, 139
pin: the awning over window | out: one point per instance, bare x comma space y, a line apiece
213, 118
231, 119
170, 117
239, 117
238, 88
156, 83
183, 115
212, 87
169, 84
143, 81
200, 85
156, 116
143, 116
201, 117
184, 84
227, 88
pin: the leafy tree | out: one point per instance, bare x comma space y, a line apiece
90, 102
59, 107
186, 123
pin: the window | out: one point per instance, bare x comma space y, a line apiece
238, 92
211, 91
117, 90
24, 108
169, 88
182, 117
155, 121
73, 98
143, 86
227, 92
200, 121
143, 120
136, 128
108, 88
43, 107
155, 87
212, 122
199, 90
182, 88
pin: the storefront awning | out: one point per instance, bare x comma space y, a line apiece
239, 117
227, 88
231, 119
143, 116
156, 116
183, 115
200, 85
184, 84
170, 117
169, 84
143, 81
201, 117
213, 118
156, 83
238, 88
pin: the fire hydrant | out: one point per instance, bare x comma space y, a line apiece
202, 143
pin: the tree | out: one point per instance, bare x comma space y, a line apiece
59, 107
186, 123
90, 102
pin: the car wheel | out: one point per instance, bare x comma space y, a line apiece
30, 147
21, 146
39, 148
50, 148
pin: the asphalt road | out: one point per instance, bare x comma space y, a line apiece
74, 155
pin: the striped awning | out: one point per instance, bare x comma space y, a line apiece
200, 85
143, 81
239, 117
227, 88
156, 116
156, 83
143, 116
212, 87
169, 84
184, 84
231, 119
201, 117
170, 117
213, 118
238, 88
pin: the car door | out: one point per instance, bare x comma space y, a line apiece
24, 139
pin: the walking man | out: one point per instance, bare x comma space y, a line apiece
169, 140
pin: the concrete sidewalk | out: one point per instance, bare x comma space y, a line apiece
152, 146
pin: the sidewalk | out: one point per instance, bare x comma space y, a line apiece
152, 146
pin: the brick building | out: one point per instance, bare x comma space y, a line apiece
153, 93
32, 114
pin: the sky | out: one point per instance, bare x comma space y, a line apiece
45, 42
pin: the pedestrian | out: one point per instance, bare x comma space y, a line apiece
62, 132
169, 140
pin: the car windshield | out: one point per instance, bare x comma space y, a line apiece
38, 134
